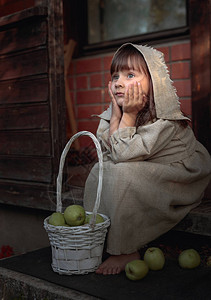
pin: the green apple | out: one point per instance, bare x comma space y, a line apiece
154, 258
209, 261
75, 215
136, 269
56, 219
99, 219
189, 259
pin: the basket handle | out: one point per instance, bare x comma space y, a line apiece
61, 166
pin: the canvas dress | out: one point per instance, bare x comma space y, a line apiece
153, 175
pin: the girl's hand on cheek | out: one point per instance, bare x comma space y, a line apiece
116, 111
135, 99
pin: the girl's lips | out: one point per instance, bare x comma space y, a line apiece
119, 94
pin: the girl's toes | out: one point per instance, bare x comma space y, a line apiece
99, 271
107, 271
118, 270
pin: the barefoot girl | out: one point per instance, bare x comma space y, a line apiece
155, 171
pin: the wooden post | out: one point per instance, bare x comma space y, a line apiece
68, 52
200, 33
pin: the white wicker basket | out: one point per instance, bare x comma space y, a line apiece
78, 249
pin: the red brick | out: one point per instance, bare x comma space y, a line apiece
91, 125
86, 142
85, 112
165, 51
186, 106
183, 88
90, 96
95, 80
107, 98
180, 52
88, 65
180, 70
107, 63
107, 78
81, 82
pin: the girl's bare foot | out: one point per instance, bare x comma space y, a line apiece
116, 263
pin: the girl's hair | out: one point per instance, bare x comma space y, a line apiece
128, 57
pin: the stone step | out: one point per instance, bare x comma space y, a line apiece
15, 285
30, 276
198, 221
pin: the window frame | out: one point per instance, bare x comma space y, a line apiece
149, 38
79, 31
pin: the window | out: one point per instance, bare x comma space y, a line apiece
103, 25
113, 19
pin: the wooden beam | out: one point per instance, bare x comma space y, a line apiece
68, 52
200, 33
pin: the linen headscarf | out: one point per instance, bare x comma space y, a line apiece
167, 103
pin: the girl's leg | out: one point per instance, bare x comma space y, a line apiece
116, 263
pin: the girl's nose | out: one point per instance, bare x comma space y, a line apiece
119, 83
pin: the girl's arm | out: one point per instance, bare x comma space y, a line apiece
116, 113
142, 143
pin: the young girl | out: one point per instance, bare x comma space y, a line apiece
155, 171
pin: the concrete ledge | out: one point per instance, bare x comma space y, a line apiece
14, 285
198, 221
44, 284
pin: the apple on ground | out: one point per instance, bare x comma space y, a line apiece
136, 269
154, 258
99, 219
209, 261
57, 219
189, 259
75, 215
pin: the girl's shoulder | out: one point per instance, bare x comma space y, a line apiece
165, 127
106, 115
177, 124
158, 123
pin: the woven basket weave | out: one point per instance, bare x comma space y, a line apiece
78, 249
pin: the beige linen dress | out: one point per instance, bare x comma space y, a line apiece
154, 174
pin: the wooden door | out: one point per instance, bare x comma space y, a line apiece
32, 105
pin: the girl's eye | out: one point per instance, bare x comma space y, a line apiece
115, 77
130, 75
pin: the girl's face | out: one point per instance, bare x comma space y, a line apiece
123, 78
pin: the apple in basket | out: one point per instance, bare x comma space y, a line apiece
57, 219
99, 219
75, 215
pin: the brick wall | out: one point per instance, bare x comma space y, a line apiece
88, 79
